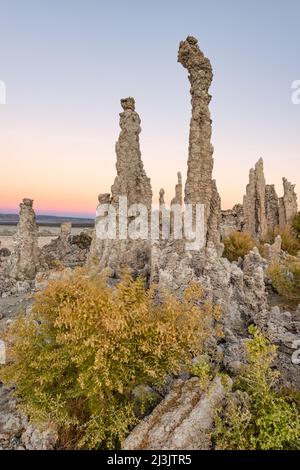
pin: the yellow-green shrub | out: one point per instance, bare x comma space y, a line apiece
289, 241
256, 416
77, 358
237, 244
285, 278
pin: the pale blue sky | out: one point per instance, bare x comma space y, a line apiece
67, 63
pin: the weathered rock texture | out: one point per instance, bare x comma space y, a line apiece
240, 290
25, 255
183, 420
272, 209
7, 284
67, 249
214, 221
232, 220
131, 180
288, 203
263, 210
199, 187
178, 199
254, 202
16, 433
161, 197
4, 252
273, 251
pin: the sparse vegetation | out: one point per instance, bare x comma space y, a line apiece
81, 353
237, 244
201, 368
285, 278
257, 417
289, 241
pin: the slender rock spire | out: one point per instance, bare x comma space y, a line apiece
214, 221
198, 187
131, 179
178, 191
288, 203
255, 202
161, 197
272, 209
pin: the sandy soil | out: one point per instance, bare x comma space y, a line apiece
46, 235
7, 242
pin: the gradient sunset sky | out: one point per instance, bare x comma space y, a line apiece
67, 63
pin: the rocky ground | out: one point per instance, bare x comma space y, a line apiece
15, 431
7, 241
23, 272
11, 306
242, 289
184, 418
45, 235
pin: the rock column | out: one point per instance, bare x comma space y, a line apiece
178, 191
25, 255
198, 187
272, 209
131, 180
254, 202
288, 203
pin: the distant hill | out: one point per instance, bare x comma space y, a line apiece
50, 220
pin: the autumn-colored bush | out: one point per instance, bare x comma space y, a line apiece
237, 244
285, 278
289, 241
77, 358
256, 416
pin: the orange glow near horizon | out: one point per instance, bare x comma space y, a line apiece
55, 172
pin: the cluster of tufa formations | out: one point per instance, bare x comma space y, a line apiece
183, 420
262, 209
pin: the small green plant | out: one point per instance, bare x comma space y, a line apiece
285, 278
201, 368
256, 416
78, 358
237, 244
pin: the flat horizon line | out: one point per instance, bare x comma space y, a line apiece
56, 215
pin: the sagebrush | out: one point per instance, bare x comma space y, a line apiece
77, 358
289, 241
237, 245
285, 278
